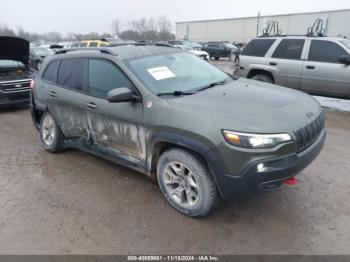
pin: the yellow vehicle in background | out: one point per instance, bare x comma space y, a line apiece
94, 43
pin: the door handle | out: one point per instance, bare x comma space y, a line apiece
310, 67
52, 94
273, 63
91, 105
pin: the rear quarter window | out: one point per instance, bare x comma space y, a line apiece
258, 47
50, 73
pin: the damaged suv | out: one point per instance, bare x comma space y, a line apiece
204, 134
15, 74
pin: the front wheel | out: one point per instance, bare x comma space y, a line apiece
187, 183
50, 134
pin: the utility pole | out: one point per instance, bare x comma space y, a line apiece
258, 25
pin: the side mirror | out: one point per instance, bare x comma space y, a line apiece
345, 59
121, 95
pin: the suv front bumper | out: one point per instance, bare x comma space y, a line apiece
268, 174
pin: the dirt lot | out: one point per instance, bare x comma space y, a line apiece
76, 203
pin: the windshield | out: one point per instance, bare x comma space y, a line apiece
43, 51
347, 43
182, 72
11, 64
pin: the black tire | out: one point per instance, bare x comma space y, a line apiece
208, 196
263, 78
57, 143
217, 58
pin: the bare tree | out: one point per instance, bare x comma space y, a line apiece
116, 27
164, 28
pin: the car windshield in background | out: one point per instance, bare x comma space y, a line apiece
43, 51
347, 43
11, 64
181, 72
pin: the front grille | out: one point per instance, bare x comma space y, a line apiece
15, 86
308, 134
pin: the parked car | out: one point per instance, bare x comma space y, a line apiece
204, 134
15, 74
193, 45
196, 51
317, 65
37, 56
218, 50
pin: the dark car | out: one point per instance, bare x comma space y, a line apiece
15, 74
221, 49
164, 112
37, 56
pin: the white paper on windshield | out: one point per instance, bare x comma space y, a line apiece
161, 73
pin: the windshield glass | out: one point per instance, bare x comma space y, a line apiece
175, 72
43, 51
347, 43
11, 64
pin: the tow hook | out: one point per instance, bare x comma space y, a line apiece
292, 181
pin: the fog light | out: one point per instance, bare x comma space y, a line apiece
261, 167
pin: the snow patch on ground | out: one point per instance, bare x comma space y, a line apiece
334, 103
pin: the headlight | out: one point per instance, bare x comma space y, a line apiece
255, 140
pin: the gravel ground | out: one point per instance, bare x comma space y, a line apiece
75, 203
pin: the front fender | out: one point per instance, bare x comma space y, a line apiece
191, 144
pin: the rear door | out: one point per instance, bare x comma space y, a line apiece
67, 97
322, 72
287, 58
115, 126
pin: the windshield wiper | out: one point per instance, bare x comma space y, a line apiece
211, 85
176, 93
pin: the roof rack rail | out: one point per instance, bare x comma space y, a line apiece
272, 26
316, 29
102, 50
141, 44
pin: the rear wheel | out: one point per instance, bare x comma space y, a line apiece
187, 183
263, 78
50, 134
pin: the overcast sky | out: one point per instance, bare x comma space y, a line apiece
96, 16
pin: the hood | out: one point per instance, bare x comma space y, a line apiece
14, 48
250, 106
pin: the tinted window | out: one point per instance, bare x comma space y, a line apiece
258, 47
104, 77
325, 51
83, 45
289, 49
50, 73
213, 45
93, 44
71, 73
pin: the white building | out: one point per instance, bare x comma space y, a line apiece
337, 23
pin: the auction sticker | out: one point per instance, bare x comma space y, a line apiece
161, 73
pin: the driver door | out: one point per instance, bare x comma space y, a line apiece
116, 127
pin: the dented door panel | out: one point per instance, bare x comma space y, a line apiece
119, 126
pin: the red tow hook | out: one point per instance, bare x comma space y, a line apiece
290, 181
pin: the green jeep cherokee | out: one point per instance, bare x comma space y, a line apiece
204, 134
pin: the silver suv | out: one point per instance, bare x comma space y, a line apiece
316, 65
